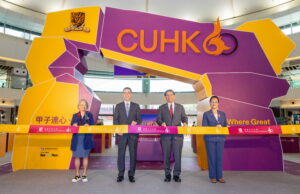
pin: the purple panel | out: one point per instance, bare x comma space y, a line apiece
71, 48
82, 66
290, 144
97, 143
250, 152
124, 71
248, 87
149, 111
84, 93
253, 153
149, 148
95, 107
249, 56
65, 60
100, 26
85, 46
67, 79
245, 112
56, 71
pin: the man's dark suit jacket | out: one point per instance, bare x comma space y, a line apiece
164, 115
120, 117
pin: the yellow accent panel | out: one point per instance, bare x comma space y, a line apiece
56, 22
61, 101
104, 129
46, 151
41, 151
19, 151
201, 152
205, 81
203, 130
14, 128
49, 151
275, 44
150, 65
32, 99
43, 52
290, 129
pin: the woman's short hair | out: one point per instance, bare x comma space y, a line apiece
216, 97
85, 101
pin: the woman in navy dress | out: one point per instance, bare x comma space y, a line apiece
215, 143
82, 143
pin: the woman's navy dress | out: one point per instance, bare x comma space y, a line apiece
82, 143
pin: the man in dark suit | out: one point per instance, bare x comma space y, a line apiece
127, 113
172, 114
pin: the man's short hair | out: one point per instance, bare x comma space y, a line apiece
169, 90
127, 88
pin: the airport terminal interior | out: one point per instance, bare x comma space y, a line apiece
263, 92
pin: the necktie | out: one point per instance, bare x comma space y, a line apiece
127, 109
171, 110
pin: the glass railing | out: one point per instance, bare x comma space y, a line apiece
111, 84
18, 32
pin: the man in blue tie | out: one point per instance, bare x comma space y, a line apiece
127, 113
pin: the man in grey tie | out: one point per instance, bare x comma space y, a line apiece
172, 114
127, 113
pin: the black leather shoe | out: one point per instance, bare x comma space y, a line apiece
131, 179
120, 179
168, 178
177, 178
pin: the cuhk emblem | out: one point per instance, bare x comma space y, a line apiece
40, 129
240, 130
270, 130
77, 22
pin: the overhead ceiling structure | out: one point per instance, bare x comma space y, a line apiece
229, 11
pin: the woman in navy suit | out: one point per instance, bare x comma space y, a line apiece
215, 143
82, 143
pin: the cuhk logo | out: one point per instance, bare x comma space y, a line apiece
166, 130
40, 129
139, 129
240, 130
270, 130
68, 130
90, 129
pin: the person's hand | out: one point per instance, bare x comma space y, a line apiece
133, 123
75, 124
86, 124
120, 134
163, 124
185, 125
219, 125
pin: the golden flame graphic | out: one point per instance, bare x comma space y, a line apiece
215, 39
